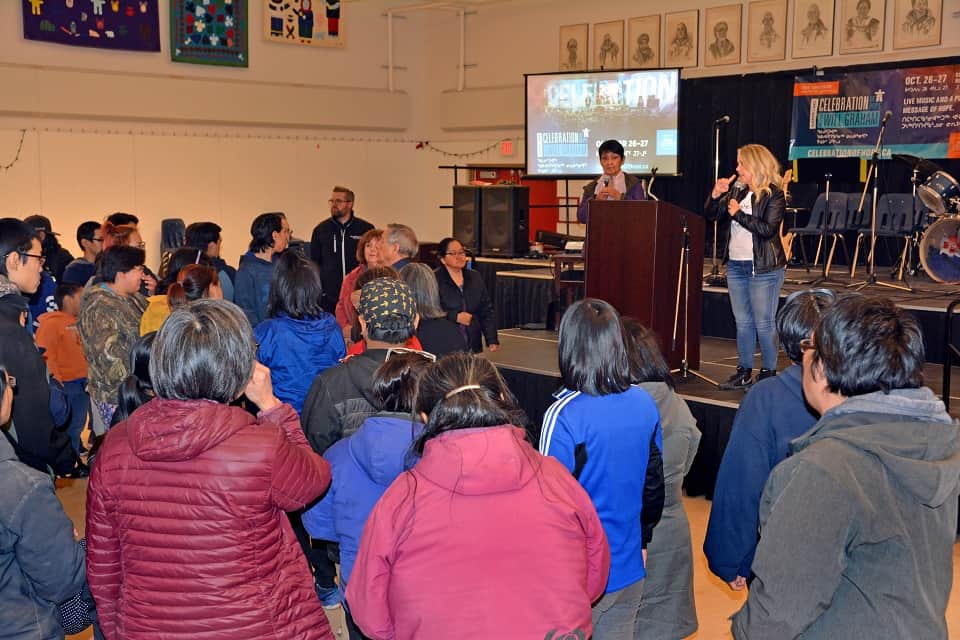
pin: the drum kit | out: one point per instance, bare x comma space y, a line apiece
938, 241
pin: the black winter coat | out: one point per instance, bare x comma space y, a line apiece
38, 442
764, 225
473, 299
333, 246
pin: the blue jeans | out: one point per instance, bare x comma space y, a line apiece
79, 402
754, 300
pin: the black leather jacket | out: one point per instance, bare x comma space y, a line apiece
764, 224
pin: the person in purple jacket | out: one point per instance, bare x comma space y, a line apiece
366, 463
614, 184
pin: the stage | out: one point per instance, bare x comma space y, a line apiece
528, 358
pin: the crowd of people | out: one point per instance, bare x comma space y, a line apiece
317, 430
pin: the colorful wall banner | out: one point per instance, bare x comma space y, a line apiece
209, 32
839, 115
107, 24
315, 23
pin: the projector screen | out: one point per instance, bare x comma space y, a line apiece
568, 115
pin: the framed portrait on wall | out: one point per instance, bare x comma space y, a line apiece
680, 32
917, 23
861, 26
574, 47
643, 42
767, 30
813, 28
608, 45
722, 35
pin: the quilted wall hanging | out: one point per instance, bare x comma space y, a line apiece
209, 32
316, 23
132, 25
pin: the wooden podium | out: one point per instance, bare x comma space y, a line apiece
633, 256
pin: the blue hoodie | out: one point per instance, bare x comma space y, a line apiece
251, 289
363, 467
771, 415
297, 351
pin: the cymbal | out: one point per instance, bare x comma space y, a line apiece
924, 167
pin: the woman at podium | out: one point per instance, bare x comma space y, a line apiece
614, 184
752, 202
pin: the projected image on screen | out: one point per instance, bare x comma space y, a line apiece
570, 114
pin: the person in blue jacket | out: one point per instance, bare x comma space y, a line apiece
771, 415
365, 464
299, 340
608, 434
270, 235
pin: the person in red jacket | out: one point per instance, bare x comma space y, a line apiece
186, 531
484, 537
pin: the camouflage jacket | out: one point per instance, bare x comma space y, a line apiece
109, 324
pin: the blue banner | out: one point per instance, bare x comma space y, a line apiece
839, 115
105, 24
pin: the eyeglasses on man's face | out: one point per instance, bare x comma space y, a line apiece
807, 344
39, 257
460, 253
339, 202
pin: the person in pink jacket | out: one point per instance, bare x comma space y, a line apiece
483, 537
187, 538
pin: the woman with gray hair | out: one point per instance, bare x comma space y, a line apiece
436, 333
186, 505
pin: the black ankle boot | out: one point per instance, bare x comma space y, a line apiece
766, 373
742, 379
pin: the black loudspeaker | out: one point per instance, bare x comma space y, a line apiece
466, 217
504, 220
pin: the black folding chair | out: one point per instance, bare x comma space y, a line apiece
814, 227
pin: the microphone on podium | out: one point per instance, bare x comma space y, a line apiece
721, 120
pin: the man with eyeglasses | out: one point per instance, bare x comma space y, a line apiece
857, 526
90, 239
32, 432
333, 245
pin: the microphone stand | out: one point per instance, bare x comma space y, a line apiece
716, 279
683, 285
871, 262
828, 260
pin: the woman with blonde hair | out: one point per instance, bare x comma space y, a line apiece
753, 203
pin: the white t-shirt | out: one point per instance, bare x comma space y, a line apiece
741, 240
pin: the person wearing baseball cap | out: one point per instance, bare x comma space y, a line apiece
341, 397
56, 257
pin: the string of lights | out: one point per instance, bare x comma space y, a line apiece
235, 135
16, 156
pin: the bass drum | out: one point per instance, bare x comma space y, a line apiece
939, 192
940, 250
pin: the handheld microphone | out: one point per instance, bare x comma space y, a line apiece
886, 117
722, 120
606, 181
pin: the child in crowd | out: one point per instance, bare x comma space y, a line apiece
366, 463
59, 341
607, 433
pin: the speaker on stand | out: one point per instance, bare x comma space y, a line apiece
504, 221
